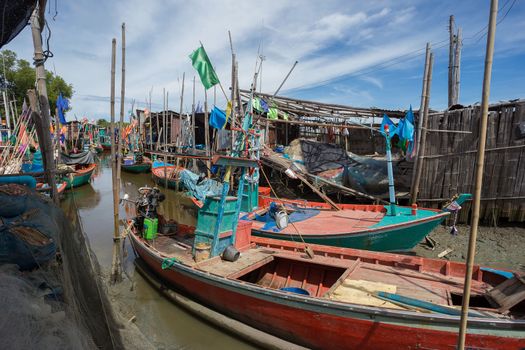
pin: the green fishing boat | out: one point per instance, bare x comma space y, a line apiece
80, 177
137, 168
370, 227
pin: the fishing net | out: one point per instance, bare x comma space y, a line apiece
63, 303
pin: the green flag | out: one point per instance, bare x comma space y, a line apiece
202, 64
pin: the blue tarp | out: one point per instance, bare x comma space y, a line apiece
199, 190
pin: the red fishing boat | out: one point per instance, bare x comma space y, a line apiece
329, 297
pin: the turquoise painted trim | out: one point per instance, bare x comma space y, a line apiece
137, 168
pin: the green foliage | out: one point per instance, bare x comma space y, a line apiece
103, 123
21, 77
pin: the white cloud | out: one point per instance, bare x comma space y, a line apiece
330, 39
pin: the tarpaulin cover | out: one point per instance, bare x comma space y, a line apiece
15, 16
199, 190
87, 157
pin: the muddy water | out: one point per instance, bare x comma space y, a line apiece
164, 324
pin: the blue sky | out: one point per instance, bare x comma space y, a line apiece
345, 49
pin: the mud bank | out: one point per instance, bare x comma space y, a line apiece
500, 247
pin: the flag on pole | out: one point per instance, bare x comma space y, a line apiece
202, 64
218, 118
62, 107
389, 122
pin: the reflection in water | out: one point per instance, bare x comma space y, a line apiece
163, 323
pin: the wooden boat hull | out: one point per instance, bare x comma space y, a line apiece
395, 238
158, 177
106, 146
356, 226
81, 177
318, 323
137, 168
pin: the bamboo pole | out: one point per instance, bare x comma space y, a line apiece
451, 60
193, 118
422, 146
7, 114
122, 98
413, 195
165, 139
206, 130
457, 66
112, 138
479, 171
179, 141
45, 143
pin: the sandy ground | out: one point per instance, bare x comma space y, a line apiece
502, 247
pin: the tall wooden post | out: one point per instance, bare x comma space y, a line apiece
112, 138
457, 65
45, 143
422, 146
7, 114
180, 133
165, 133
479, 171
413, 195
193, 118
206, 130
450, 60
122, 105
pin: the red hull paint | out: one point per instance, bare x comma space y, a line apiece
314, 329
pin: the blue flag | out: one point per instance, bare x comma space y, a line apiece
410, 115
217, 118
389, 122
62, 107
264, 106
405, 130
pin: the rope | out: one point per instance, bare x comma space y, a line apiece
169, 262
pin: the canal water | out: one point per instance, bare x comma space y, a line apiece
164, 324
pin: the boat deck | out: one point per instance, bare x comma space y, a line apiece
340, 279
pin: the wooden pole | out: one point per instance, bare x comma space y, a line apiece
179, 136
479, 171
421, 150
122, 98
451, 60
193, 118
7, 114
165, 139
206, 130
45, 143
457, 64
413, 195
112, 138
233, 102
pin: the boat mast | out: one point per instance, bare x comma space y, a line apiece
391, 189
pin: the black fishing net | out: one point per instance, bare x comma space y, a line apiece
60, 303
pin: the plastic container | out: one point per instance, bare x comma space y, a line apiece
295, 290
202, 252
150, 228
243, 235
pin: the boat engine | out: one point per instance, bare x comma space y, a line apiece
147, 219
